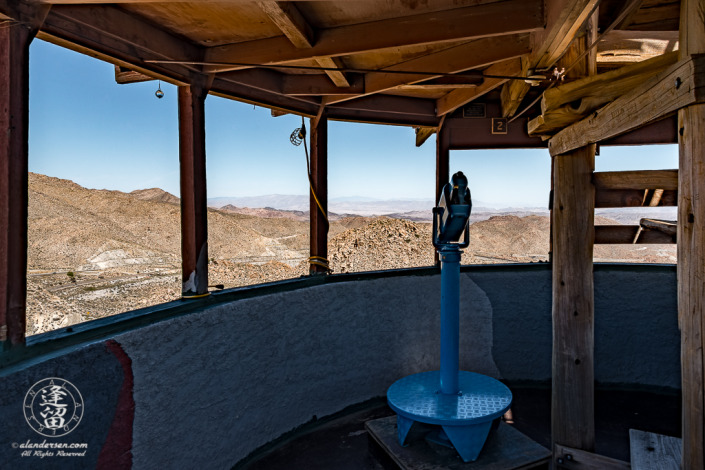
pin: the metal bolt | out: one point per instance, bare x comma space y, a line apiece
679, 82
569, 457
559, 461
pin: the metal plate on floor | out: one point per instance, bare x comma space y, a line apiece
417, 397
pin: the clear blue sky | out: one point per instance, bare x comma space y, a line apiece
86, 128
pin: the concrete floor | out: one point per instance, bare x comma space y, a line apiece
341, 443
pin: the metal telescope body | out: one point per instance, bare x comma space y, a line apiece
463, 404
450, 220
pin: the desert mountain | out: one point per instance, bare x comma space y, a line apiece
155, 194
94, 253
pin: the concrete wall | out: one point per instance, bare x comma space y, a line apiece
206, 388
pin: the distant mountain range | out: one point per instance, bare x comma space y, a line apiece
419, 210
413, 209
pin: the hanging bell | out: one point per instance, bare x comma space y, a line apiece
159, 93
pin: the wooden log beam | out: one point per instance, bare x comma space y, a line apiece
494, 19
680, 85
569, 103
14, 132
640, 179
572, 412
563, 20
474, 54
625, 235
460, 97
194, 204
691, 248
319, 195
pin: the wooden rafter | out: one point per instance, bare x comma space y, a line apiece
564, 19
494, 19
478, 53
291, 22
459, 97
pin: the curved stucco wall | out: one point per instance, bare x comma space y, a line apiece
214, 385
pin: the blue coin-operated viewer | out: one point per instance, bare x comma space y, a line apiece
463, 404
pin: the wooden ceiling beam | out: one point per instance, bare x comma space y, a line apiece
563, 21
494, 19
318, 85
460, 97
295, 27
678, 86
478, 53
116, 36
291, 22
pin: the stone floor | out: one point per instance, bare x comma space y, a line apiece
341, 443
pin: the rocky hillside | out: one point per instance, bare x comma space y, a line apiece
94, 253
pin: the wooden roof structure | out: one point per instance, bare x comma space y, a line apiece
560, 74
356, 58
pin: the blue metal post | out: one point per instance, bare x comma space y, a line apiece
450, 307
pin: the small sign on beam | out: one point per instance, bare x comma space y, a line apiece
499, 125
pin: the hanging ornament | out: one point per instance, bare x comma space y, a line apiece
159, 93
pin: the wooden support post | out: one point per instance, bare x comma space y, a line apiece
194, 206
572, 411
691, 248
319, 191
573, 395
14, 132
442, 168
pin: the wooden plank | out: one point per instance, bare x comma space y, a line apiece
569, 458
625, 235
14, 151
566, 104
680, 85
124, 76
563, 20
387, 109
650, 451
319, 186
691, 248
460, 97
479, 53
194, 205
639, 179
572, 412
505, 449
494, 19
606, 198
423, 133
338, 77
